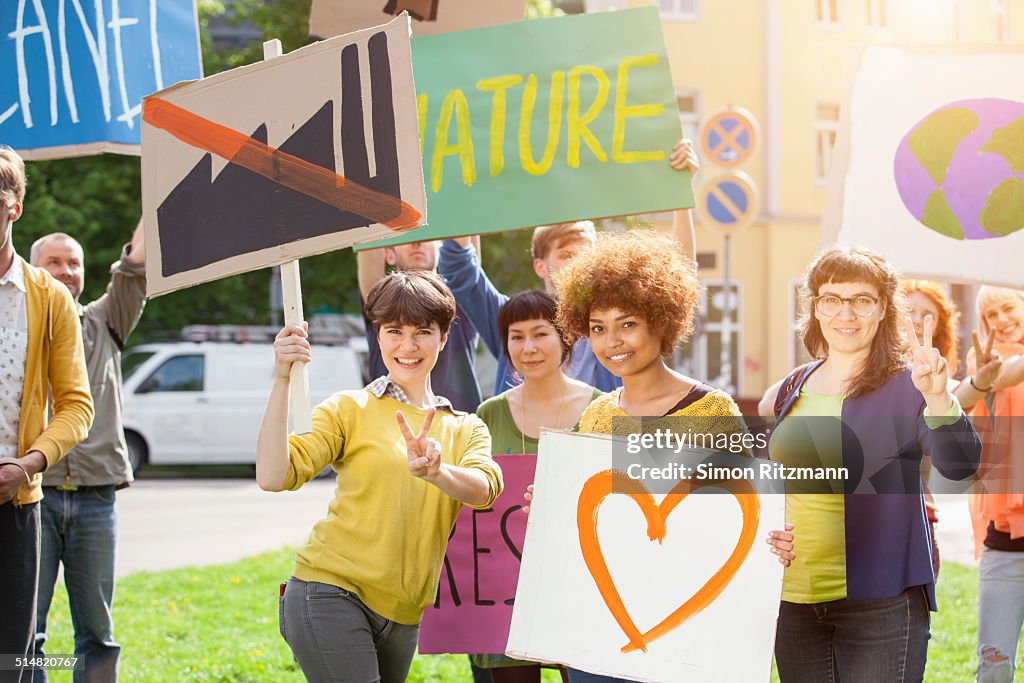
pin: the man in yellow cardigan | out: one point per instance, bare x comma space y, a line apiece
40, 355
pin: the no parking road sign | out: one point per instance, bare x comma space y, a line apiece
729, 202
728, 138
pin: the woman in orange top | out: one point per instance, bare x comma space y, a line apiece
996, 388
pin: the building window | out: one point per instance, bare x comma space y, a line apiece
679, 10
876, 14
689, 112
702, 355
999, 20
828, 12
826, 127
798, 354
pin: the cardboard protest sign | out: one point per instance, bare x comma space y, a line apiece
298, 155
618, 581
481, 568
75, 71
333, 17
548, 121
936, 184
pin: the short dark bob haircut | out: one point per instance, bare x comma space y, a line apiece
411, 297
535, 304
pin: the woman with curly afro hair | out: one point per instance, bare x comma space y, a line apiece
634, 296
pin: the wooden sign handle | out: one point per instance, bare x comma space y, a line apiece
291, 297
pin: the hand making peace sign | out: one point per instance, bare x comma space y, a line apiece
424, 452
928, 371
987, 362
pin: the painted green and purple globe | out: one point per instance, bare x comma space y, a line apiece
960, 170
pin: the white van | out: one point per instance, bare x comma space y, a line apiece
190, 403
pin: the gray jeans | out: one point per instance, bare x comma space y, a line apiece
1000, 614
337, 639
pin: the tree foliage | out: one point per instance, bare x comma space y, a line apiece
98, 201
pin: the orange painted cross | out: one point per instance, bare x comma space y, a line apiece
280, 167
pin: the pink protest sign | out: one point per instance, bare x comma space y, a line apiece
473, 609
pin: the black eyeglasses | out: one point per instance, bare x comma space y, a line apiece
830, 305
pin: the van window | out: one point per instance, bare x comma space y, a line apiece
180, 373
132, 361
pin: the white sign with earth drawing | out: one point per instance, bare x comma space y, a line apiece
935, 184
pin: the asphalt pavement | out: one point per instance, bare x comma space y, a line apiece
170, 523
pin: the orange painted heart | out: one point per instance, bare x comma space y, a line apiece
600, 486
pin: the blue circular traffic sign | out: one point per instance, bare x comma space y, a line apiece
729, 202
728, 138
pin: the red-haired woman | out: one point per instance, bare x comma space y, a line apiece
927, 298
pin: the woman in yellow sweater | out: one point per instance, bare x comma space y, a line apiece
406, 462
634, 296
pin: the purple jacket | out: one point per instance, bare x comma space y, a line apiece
888, 547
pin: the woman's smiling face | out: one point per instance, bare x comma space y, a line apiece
846, 331
623, 342
1005, 318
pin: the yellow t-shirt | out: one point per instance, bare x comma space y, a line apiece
385, 533
713, 413
818, 574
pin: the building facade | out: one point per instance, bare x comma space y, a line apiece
790, 63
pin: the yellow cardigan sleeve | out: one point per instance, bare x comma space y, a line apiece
68, 379
476, 453
309, 454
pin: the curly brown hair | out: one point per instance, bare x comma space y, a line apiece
889, 348
643, 272
948, 323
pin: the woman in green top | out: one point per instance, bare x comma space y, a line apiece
545, 398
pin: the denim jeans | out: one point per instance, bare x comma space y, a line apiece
577, 676
79, 530
19, 573
336, 638
1000, 614
854, 641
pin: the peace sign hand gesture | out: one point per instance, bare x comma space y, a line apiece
987, 362
424, 452
929, 371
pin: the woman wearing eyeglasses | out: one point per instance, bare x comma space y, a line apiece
856, 599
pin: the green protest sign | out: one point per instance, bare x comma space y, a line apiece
545, 121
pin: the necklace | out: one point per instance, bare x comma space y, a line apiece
522, 413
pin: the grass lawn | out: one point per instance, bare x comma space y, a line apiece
220, 624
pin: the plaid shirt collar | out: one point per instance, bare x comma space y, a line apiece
385, 386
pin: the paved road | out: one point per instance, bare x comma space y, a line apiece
169, 523
956, 540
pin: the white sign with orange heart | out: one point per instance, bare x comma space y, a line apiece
619, 581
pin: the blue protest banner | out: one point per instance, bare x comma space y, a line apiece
75, 71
